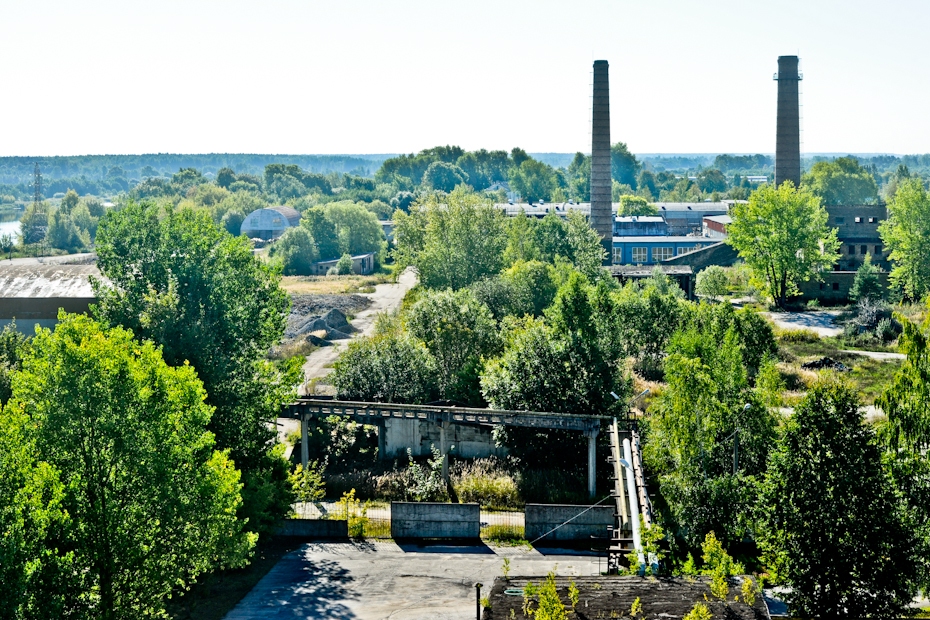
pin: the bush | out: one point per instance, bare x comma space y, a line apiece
344, 266
487, 482
297, 251
798, 336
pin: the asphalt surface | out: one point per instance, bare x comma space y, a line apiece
823, 321
381, 580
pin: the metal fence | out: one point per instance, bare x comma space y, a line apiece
373, 520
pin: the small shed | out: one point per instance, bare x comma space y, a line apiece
269, 223
362, 264
32, 294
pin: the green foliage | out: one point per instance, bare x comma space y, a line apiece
699, 612
486, 482
866, 285
505, 568
425, 482
587, 252
574, 594
748, 589
830, 525
356, 514
452, 241
550, 605
344, 265
63, 234
390, 367
308, 484
532, 287
443, 177
297, 251
624, 166
719, 565
33, 224
458, 331
906, 233
357, 228
841, 182
636, 205
647, 314
323, 232
782, 235
533, 180
206, 299
150, 503
712, 282
906, 401
31, 512
13, 348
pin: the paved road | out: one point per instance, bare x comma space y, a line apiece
877, 355
386, 298
381, 580
823, 321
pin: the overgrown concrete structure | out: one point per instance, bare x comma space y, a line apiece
788, 130
602, 219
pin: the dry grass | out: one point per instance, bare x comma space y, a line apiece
332, 285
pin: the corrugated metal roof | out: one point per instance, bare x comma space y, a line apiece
45, 281
292, 215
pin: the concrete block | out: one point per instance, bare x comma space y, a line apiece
314, 529
435, 520
542, 518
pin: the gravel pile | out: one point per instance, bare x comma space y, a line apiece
313, 314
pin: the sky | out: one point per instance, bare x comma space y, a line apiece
369, 76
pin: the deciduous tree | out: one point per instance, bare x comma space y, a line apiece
906, 233
782, 235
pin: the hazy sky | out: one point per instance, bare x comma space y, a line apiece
366, 76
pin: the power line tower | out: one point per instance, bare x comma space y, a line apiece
35, 225
37, 185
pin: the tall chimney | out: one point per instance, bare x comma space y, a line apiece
602, 217
788, 132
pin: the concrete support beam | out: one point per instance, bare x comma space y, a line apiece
592, 460
444, 449
304, 441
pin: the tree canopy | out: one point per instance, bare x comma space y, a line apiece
906, 233
841, 182
782, 235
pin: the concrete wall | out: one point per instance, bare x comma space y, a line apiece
420, 436
313, 529
835, 286
854, 235
541, 518
435, 520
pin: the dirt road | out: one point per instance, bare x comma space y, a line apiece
386, 298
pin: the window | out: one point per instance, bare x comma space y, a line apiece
841, 220
852, 250
685, 249
872, 220
640, 256
660, 254
836, 286
863, 250
878, 250
618, 256
858, 220
821, 286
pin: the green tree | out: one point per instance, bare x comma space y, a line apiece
532, 287
344, 265
151, 503
587, 253
458, 330
225, 177
69, 202
624, 167
357, 228
841, 182
390, 367
647, 314
13, 347
782, 235
906, 233
711, 180
297, 251
323, 232
533, 180
232, 222
63, 234
866, 285
30, 512
33, 225
550, 239
452, 241
443, 176
712, 282
204, 297
85, 222
636, 205
830, 525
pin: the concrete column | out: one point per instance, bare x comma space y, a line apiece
592, 460
304, 447
382, 444
443, 449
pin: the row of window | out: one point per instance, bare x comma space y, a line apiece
864, 249
641, 254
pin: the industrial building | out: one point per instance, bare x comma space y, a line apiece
32, 295
269, 223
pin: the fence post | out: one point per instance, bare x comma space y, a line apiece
478, 601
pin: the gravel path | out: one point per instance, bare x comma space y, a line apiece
823, 322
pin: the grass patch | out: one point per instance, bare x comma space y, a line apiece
333, 285
486, 482
509, 535
299, 347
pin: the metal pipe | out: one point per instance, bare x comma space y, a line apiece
634, 503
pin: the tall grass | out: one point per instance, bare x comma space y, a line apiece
487, 482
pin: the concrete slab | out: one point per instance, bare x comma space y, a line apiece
375, 581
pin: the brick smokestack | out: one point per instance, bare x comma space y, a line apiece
788, 132
602, 219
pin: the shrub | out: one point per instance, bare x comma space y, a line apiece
486, 482
308, 484
344, 265
798, 336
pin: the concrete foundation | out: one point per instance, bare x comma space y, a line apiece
460, 440
540, 519
419, 520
